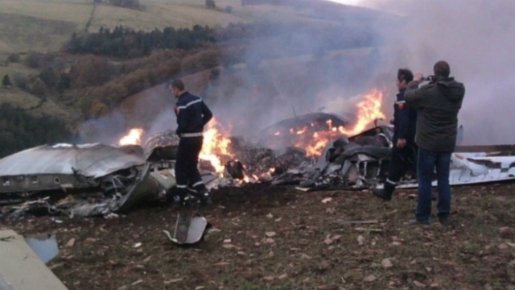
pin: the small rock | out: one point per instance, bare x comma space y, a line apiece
173, 281
137, 245
270, 234
361, 240
370, 278
70, 243
269, 241
90, 240
387, 263
324, 266
282, 277
269, 278
227, 241
419, 284
327, 200
270, 216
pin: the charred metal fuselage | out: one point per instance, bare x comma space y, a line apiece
101, 178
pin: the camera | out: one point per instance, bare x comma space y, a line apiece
428, 78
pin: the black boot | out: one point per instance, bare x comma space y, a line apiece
384, 193
203, 195
176, 196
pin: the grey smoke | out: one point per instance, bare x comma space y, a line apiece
477, 38
297, 71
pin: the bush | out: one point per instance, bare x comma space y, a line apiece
13, 57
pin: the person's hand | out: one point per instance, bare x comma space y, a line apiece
401, 143
418, 77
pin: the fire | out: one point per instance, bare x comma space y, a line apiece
368, 110
215, 146
132, 138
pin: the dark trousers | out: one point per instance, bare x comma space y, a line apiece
402, 160
427, 162
186, 165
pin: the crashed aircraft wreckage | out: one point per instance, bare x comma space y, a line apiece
77, 180
97, 179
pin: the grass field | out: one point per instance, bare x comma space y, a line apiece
36, 106
44, 25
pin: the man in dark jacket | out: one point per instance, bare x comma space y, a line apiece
404, 148
437, 105
192, 114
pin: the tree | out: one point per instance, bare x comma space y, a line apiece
6, 81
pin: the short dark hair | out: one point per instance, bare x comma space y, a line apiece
178, 84
404, 74
442, 68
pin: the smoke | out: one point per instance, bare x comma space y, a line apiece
302, 58
477, 38
150, 110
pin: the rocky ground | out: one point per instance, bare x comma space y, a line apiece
266, 237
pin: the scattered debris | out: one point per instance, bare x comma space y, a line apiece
102, 180
188, 229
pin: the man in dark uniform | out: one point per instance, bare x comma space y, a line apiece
192, 114
404, 148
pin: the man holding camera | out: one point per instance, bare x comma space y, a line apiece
437, 104
404, 148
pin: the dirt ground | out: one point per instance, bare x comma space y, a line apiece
266, 237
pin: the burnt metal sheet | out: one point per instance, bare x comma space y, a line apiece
91, 160
21, 268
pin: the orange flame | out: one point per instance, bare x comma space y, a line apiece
215, 146
369, 110
132, 138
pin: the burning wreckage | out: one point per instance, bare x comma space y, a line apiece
97, 179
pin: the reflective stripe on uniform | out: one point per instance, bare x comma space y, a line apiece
391, 182
189, 104
198, 183
189, 135
181, 186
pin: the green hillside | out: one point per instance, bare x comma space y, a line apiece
45, 25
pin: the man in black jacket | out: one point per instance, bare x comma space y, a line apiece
437, 105
192, 114
404, 148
